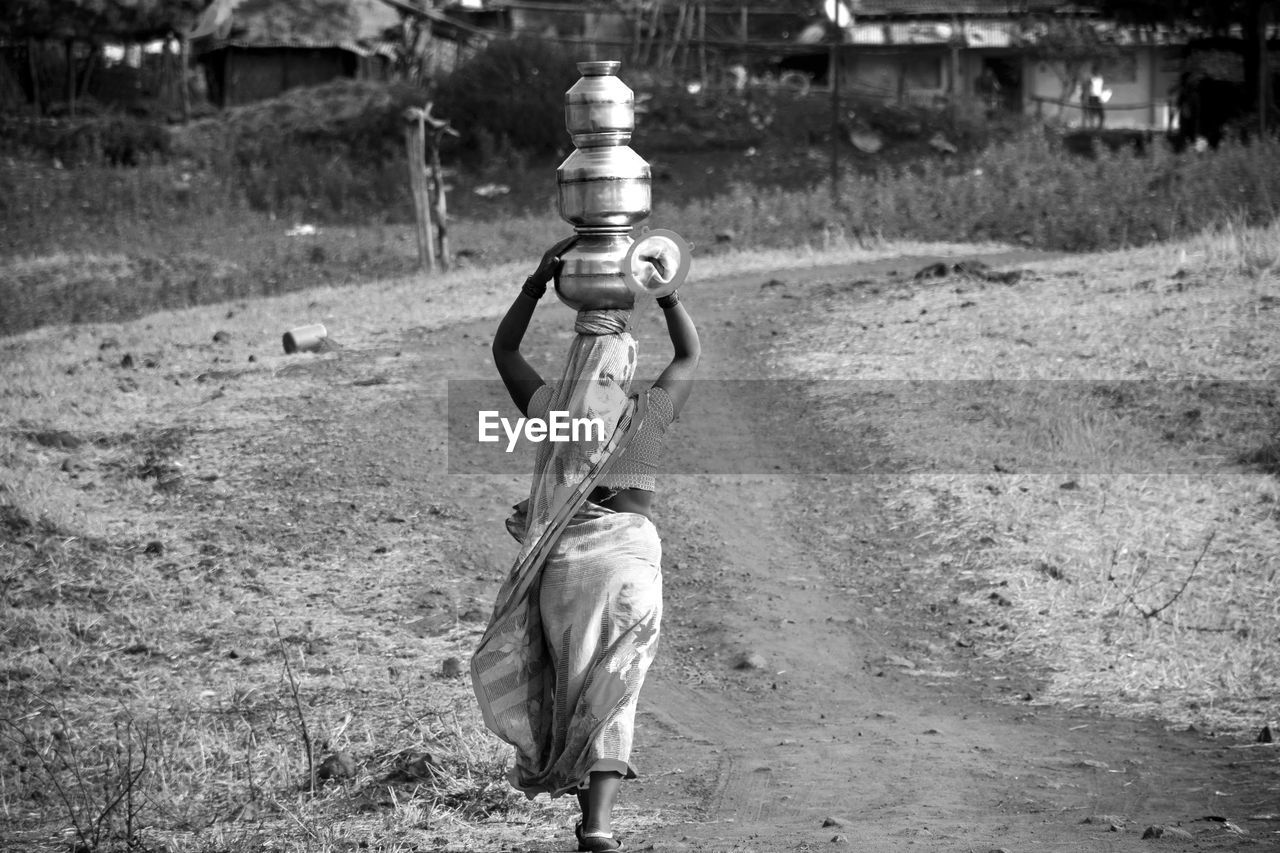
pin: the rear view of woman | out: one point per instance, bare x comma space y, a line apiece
576, 623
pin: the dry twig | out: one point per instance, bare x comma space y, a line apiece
302, 718
1153, 612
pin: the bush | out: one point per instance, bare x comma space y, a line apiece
360, 119
1027, 191
509, 96
334, 151
111, 139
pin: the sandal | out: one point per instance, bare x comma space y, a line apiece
595, 842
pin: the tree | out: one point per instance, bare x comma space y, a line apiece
95, 20
69, 22
1216, 17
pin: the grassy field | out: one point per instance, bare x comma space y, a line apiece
100, 243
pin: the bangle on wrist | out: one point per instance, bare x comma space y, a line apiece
669, 301
533, 290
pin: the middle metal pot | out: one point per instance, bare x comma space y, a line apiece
607, 187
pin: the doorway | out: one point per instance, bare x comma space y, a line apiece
1002, 77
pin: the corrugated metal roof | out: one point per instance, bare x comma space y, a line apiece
994, 8
994, 33
362, 49
989, 33
356, 25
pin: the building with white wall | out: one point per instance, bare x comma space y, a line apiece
929, 52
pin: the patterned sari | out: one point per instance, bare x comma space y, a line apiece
576, 622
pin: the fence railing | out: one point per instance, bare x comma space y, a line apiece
1162, 113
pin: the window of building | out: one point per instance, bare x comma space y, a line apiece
923, 72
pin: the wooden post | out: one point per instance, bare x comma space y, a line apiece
442, 212
166, 76
958, 87
702, 43
654, 52
185, 65
33, 66
636, 30
1264, 71
675, 35
644, 35
94, 52
1159, 105
70, 47
415, 146
833, 74
690, 31
440, 129
833, 71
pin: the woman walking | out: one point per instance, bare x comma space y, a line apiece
576, 623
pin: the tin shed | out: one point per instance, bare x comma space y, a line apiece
255, 49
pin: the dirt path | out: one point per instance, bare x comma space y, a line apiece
870, 706
866, 710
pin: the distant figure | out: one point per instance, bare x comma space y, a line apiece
1186, 97
1095, 95
988, 88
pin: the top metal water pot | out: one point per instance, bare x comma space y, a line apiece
599, 109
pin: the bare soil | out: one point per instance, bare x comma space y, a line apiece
873, 719
873, 722
869, 711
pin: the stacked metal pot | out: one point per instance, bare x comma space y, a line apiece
604, 188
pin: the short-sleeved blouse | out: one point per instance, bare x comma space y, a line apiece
637, 466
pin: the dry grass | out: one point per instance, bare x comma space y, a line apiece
146, 559
108, 648
1137, 594
1119, 524
1252, 252
1163, 312
113, 650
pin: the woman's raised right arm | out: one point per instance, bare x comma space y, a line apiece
517, 374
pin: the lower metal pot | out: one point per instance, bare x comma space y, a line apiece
591, 274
